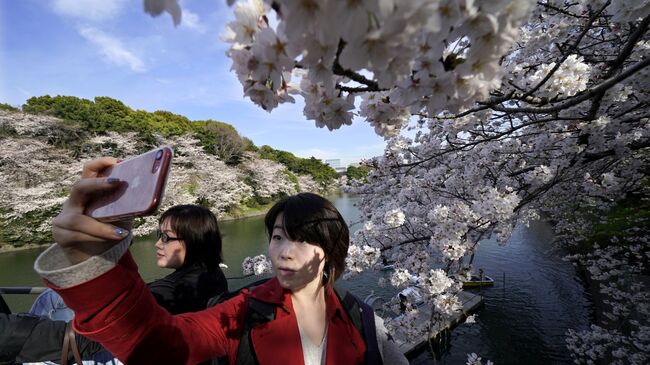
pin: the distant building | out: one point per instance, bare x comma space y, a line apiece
335, 163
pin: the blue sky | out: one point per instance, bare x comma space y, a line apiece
89, 48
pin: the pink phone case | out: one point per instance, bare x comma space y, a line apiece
143, 183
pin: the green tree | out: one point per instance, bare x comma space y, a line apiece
112, 107
250, 146
359, 173
169, 124
110, 114
5, 106
322, 173
221, 139
71, 108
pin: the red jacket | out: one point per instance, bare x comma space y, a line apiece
117, 310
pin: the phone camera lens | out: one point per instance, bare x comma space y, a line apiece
159, 154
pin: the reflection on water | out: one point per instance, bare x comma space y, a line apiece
535, 299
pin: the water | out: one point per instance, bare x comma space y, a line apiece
526, 315
524, 319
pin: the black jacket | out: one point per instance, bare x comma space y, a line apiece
188, 289
27, 338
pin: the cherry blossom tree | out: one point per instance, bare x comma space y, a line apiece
36, 174
494, 112
270, 179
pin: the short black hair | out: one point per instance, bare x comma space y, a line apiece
310, 218
198, 228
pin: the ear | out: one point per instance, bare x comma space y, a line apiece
327, 273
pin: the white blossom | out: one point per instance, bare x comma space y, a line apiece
361, 258
394, 217
256, 265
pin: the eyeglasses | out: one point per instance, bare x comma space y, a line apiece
165, 238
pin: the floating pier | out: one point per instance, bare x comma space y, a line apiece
471, 302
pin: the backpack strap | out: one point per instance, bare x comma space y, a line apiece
69, 340
222, 297
258, 312
363, 317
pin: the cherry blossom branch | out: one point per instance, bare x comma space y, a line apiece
567, 53
559, 10
337, 69
584, 96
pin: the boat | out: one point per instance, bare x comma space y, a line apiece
387, 265
412, 292
478, 282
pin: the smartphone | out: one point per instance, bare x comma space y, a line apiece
143, 184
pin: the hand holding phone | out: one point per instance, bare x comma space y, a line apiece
143, 179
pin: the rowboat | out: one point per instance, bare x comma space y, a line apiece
478, 282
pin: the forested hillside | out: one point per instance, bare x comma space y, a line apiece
44, 145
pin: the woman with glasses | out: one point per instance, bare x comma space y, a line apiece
189, 242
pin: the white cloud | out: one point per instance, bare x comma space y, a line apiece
94, 10
192, 21
317, 152
113, 49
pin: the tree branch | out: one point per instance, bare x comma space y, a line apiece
355, 89
586, 95
567, 53
594, 156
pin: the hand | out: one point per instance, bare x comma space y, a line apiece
79, 235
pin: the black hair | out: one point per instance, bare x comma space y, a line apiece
310, 218
198, 228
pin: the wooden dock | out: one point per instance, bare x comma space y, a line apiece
471, 302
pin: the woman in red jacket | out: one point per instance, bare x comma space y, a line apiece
308, 245
189, 241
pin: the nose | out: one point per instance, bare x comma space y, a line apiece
159, 244
286, 250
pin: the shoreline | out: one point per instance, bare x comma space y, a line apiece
246, 215
5, 248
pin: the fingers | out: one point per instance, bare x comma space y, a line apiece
85, 189
71, 228
81, 237
94, 167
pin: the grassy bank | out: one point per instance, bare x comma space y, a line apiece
615, 265
625, 221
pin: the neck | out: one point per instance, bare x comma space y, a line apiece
313, 292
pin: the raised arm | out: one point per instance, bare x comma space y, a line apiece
91, 268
